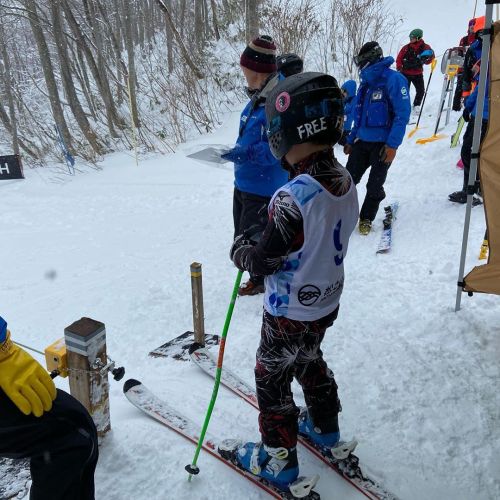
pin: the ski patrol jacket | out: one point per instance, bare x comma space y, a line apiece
261, 172
382, 105
408, 60
349, 103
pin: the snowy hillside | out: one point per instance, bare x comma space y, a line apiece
418, 382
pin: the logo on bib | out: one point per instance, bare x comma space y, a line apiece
308, 295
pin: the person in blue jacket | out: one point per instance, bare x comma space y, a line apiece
257, 173
381, 114
349, 93
469, 114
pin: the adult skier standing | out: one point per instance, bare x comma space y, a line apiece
381, 115
410, 62
301, 253
257, 174
47, 425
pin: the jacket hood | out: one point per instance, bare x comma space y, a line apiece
374, 71
350, 88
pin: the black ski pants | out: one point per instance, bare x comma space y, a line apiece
457, 98
364, 155
466, 151
290, 348
249, 210
418, 83
62, 445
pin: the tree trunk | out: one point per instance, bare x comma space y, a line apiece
48, 72
215, 23
98, 70
6, 76
129, 44
178, 38
67, 79
252, 19
170, 41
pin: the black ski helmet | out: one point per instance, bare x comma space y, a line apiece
289, 64
306, 107
370, 52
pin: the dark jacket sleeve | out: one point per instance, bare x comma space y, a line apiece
284, 228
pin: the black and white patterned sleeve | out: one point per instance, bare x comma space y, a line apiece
284, 233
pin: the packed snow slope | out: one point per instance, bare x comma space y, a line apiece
418, 382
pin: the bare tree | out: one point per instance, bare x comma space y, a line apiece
353, 23
252, 24
291, 23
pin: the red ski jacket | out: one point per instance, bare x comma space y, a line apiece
408, 61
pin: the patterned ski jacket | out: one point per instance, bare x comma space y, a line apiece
284, 233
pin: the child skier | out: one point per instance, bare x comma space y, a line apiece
301, 253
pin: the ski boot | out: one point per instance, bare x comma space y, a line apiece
328, 443
461, 197
278, 467
365, 226
250, 288
416, 111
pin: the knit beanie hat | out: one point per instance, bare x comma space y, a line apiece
260, 55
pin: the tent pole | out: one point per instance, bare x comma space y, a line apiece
476, 142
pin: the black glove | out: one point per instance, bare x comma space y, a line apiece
249, 238
466, 115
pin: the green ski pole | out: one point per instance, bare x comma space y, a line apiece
193, 468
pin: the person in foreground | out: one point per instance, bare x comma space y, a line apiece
301, 252
47, 425
380, 118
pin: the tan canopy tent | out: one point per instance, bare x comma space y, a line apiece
486, 278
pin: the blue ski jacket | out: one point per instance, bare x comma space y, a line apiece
382, 105
260, 172
349, 103
471, 102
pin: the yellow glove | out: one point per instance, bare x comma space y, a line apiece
24, 380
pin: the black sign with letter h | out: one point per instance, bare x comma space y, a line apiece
11, 167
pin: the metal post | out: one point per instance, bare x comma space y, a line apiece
86, 351
450, 99
197, 298
476, 143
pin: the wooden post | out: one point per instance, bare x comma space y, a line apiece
86, 350
197, 297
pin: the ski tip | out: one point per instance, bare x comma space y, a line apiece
131, 382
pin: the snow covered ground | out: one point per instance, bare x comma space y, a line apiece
418, 382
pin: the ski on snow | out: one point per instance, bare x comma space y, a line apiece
384, 245
347, 468
145, 400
